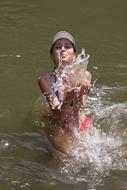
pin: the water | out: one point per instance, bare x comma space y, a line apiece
77, 66
70, 75
95, 158
26, 30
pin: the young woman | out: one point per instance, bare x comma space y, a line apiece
64, 107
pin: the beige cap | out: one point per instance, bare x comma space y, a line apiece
63, 34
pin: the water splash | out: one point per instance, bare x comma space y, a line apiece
71, 75
95, 157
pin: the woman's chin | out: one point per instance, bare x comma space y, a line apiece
64, 61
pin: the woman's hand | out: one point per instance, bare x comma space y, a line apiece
83, 88
54, 102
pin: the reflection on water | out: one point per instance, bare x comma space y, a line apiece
26, 159
96, 157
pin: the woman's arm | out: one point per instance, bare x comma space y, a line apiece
83, 89
45, 83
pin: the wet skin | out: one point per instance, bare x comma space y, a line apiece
66, 117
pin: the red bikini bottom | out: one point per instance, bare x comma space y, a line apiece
85, 123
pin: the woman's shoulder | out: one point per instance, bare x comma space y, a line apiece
88, 75
47, 76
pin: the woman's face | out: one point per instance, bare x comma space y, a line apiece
63, 52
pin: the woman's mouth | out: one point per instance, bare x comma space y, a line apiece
63, 56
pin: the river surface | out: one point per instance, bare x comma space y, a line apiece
26, 31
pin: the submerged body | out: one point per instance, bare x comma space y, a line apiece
65, 121
63, 125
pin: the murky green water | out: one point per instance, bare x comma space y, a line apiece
26, 31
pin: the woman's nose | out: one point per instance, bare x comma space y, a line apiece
63, 48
